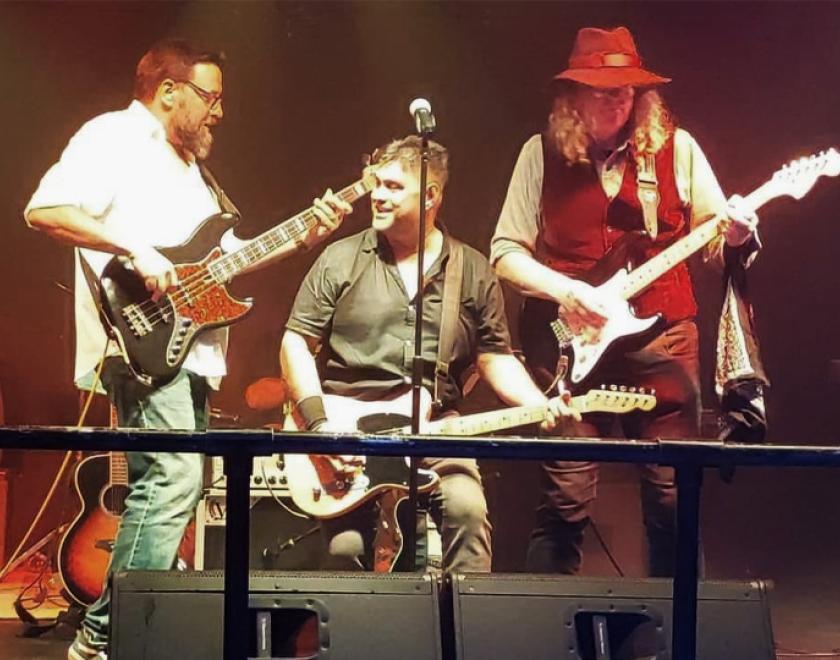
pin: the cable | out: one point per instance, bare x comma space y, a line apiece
61, 470
277, 497
606, 548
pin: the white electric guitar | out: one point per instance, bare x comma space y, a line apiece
546, 335
319, 489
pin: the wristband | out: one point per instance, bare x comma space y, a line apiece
311, 410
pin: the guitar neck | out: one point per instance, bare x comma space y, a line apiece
496, 420
266, 244
118, 468
643, 276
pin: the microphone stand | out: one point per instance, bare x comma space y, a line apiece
417, 362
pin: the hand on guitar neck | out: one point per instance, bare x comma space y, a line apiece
741, 222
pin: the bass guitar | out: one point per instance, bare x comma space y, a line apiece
546, 335
318, 489
156, 335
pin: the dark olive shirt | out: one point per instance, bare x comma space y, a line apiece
354, 301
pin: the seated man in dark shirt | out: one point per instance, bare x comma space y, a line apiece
357, 304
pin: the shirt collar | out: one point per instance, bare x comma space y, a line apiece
602, 155
146, 120
372, 242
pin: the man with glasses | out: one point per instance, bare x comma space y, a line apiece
126, 182
611, 162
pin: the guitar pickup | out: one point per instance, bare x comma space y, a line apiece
137, 321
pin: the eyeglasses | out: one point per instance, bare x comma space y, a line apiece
211, 99
614, 93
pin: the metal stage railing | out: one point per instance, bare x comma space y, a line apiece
238, 448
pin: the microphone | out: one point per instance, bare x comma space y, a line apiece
424, 120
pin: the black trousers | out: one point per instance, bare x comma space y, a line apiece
669, 364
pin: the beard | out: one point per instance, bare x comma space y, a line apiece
191, 135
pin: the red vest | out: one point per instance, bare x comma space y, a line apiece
580, 224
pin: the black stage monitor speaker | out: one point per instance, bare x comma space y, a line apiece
541, 617
174, 615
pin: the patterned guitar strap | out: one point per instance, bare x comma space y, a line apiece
647, 190
739, 374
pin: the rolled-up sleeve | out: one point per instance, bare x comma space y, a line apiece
85, 175
492, 333
518, 225
698, 184
314, 305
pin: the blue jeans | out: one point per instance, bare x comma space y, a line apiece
164, 488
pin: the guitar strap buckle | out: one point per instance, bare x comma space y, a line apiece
647, 190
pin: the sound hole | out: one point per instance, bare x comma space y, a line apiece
113, 499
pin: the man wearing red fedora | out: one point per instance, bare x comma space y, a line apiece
612, 164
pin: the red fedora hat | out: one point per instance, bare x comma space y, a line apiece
607, 58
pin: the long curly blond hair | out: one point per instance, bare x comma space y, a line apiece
651, 122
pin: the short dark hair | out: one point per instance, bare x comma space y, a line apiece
170, 58
407, 151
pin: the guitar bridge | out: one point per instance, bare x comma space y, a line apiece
562, 332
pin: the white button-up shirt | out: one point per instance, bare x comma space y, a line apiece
120, 169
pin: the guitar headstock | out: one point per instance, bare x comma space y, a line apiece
618, 399
799, 176
368, 179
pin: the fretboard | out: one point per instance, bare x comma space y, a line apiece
643, 276
118, 468
487, 422
264, 245
495, 420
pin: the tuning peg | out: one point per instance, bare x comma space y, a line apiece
623, 388
641, 390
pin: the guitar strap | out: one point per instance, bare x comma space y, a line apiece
225, 202
647, 190
449, 314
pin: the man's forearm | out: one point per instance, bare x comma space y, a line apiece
509, 379
70, 224
531, 278
298, 366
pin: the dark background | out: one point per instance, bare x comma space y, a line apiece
310, 87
